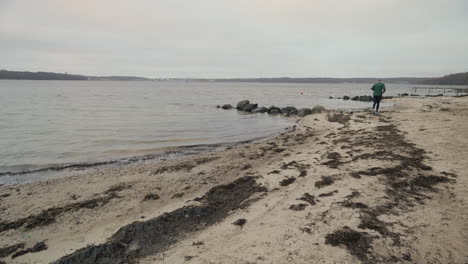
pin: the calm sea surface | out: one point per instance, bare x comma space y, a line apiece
52, 123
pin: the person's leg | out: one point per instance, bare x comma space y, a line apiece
378, 103
375, 102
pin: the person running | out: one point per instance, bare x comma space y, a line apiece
379, 90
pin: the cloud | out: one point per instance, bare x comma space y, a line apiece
244, 38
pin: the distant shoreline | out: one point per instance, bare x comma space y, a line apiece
453, 79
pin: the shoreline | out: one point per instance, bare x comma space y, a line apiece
169, 154
384, 180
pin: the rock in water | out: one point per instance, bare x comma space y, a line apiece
304, 111
226, 106
345, 97
317, 109
292, 110
249, 107
242, 104
274, 110
260, 110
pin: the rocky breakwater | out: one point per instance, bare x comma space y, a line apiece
362, 98
247, 106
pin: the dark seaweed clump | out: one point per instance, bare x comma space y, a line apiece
287, 181
6, 251
358, 243
38, 247
140, 239
307, 197
325, 181
49, 216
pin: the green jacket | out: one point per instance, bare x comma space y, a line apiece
378, 88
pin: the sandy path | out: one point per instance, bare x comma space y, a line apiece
394, 185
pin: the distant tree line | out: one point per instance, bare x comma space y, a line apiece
326, 80
452, 79
18, 75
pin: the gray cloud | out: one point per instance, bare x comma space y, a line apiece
244, 38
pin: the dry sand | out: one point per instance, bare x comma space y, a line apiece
339, 188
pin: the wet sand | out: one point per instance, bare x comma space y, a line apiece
338, 188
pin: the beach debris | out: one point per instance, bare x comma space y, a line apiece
357, 243
187, 258
338, 117
350, 204
287, 181
227, 107
143, 238
48, 216
325, 181
305, 230
328, 193
246, 167
187, 166
151, 196
428, 181
240, 222
407, 256
40, 246
198, 243
6, 251
334, 160
177, 195
307, 197
298, 207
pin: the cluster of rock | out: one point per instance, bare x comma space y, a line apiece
246, 106
363, 98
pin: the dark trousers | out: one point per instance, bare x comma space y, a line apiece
377, 99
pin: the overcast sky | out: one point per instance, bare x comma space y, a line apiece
236, 38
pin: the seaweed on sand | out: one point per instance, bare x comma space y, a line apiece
140, 239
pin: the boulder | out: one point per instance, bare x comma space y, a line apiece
271, 108
293, 111
242, 104
355, 98
274, 111
261, 109
330, 97
345, 97
317, 109
226, 106
304, 111
218, 106
289, 110
249, 107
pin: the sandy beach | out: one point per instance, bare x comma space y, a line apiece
336, 188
